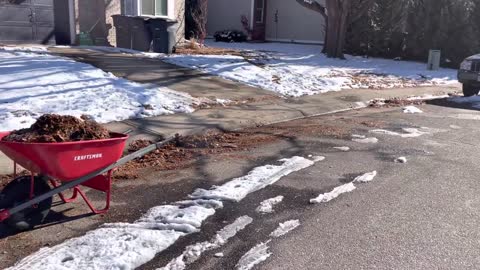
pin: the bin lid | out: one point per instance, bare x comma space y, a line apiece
163, 19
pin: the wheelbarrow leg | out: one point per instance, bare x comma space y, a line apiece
101, 183
62, 197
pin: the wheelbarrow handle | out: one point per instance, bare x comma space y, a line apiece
68, 185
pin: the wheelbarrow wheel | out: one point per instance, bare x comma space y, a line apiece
17, 192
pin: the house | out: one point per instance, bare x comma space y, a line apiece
61, 21
269, 20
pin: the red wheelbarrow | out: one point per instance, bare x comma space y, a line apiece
26, 200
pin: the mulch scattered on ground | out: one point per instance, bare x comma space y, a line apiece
7, 178
186, 149
309, 126
51, 128
395, 102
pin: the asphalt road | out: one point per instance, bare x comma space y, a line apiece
420, 215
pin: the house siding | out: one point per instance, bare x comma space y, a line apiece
227, 14
295, 23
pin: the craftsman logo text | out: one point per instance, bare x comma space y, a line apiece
87, 157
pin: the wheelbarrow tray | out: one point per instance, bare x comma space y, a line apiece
65, 161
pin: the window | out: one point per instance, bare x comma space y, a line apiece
157, 8
259, 10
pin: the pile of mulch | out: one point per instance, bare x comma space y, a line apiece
53, 128
185, 150
395, 102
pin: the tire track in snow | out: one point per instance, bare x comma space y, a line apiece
193, 252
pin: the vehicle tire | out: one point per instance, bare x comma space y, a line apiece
470, 90
18, 192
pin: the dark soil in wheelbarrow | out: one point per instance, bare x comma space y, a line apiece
52, 128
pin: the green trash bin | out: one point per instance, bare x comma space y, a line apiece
84, 39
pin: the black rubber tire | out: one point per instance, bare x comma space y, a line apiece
17, 192
470, 90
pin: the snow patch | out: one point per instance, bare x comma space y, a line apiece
258, 178
365, 178
455, 127
412, 110
285, 227
336, 192
427, 97
34, 49
223, 102
33, 84
401, 160
409, 132
193, 252
219, 255
254, 256
318, 158
267, 205
104, 248
364, 139
298, 70
342, 148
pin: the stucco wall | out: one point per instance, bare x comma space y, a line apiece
295, 23
227, 14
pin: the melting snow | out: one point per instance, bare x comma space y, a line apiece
455, 127
32, 84
318, 158
267, 205
342, 148
127, 246
254, 256
193, 252
365, 178
258, 178
412, 109
285, 227
409, 132
364, 139
326, 197
297, 70
345, 188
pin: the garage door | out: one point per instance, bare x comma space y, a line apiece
26, 21
289, 21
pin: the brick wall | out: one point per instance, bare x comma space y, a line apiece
180, 16
113, 7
